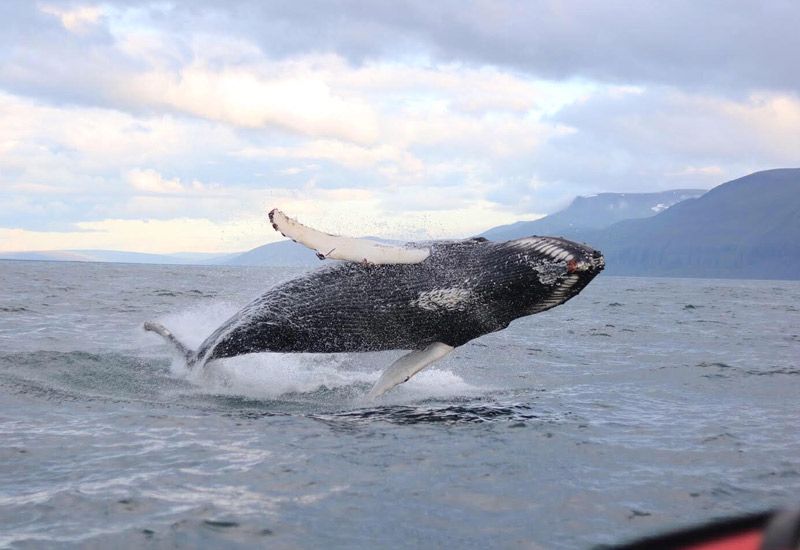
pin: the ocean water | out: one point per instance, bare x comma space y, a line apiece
640, 405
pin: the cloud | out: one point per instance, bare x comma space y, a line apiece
705, 45
355, 212
144, 235
345, 154
653, 138
78, 19
37, 138
699, 170
150, 181
302, 104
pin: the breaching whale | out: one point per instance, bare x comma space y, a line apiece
428, 298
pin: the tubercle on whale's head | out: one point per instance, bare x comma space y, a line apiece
577, 257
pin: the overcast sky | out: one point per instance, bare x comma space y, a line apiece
174, 126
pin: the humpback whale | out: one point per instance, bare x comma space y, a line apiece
427, 298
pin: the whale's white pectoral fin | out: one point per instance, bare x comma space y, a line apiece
407, 366
345, 248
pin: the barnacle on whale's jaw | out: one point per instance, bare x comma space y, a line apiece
592, 262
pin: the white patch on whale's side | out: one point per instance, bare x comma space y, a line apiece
454, 299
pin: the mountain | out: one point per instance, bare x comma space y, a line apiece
745, 228
286, 254
578, 221
282, 253
586, 214
116, 256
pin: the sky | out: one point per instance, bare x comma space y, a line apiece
175, 126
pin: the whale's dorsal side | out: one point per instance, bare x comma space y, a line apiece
407, 366
348, 249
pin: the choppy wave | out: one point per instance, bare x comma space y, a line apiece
324, 387
263, 384
328, 388
85, 376
478, 412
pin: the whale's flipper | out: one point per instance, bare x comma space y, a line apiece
345, 248
162, 330
407, 366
